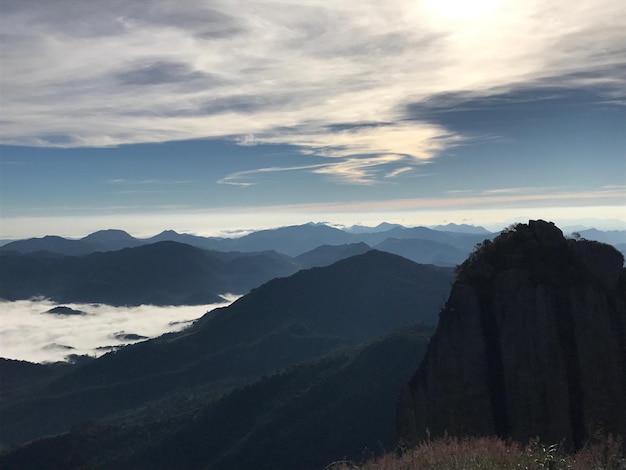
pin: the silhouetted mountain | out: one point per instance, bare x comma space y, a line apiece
293, 240
462, 241
20, 377
531, 342
462, 228
302, 418
103, 240
424, 251
111, 240
328, 254
612, 237
49, 243
165, 273
307, 315
382, 227
207, 243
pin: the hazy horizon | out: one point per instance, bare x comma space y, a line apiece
146, 230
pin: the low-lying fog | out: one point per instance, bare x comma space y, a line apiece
29, 333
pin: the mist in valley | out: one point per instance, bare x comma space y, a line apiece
29, 332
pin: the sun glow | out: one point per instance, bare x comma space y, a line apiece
460, 10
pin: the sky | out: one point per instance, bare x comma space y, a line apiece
211, 117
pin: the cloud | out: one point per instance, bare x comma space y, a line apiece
248, 177
399, 171
357, 170
27, 333
110, 73
162, 73
362, 170
360, 154
418, 140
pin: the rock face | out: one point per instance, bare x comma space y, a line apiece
531, 342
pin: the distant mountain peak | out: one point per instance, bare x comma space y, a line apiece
108, 235
462, 228
382, 227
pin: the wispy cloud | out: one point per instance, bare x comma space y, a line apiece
248, 177
361, 170
465, 200
399, 171
358, 170
117, 72
360, 154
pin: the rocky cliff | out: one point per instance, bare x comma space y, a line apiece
531, 342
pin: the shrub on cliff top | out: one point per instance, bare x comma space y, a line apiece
492, 453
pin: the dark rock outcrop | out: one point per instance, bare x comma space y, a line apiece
531, 342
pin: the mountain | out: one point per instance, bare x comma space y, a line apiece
51, 244
318, 402
293, 240
305, 316
165, 273
424, 251
328, 254
207, 243
382, 227
103, 240
612, 237
462, 228
111, 240
63, 310
18, 377
462, 241
531, 342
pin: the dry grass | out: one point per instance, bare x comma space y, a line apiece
491, 453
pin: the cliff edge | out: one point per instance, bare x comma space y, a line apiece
531, 342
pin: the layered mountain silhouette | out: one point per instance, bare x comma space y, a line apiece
424, 251
328, 254
340, 406
531, 342
286, 321
168, 272
292, 240
164, 273
307, 369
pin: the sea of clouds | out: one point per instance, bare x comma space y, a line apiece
28, 332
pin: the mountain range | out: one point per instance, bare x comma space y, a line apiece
291, 240
286, 321
162, 273
334, 360
112, 267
